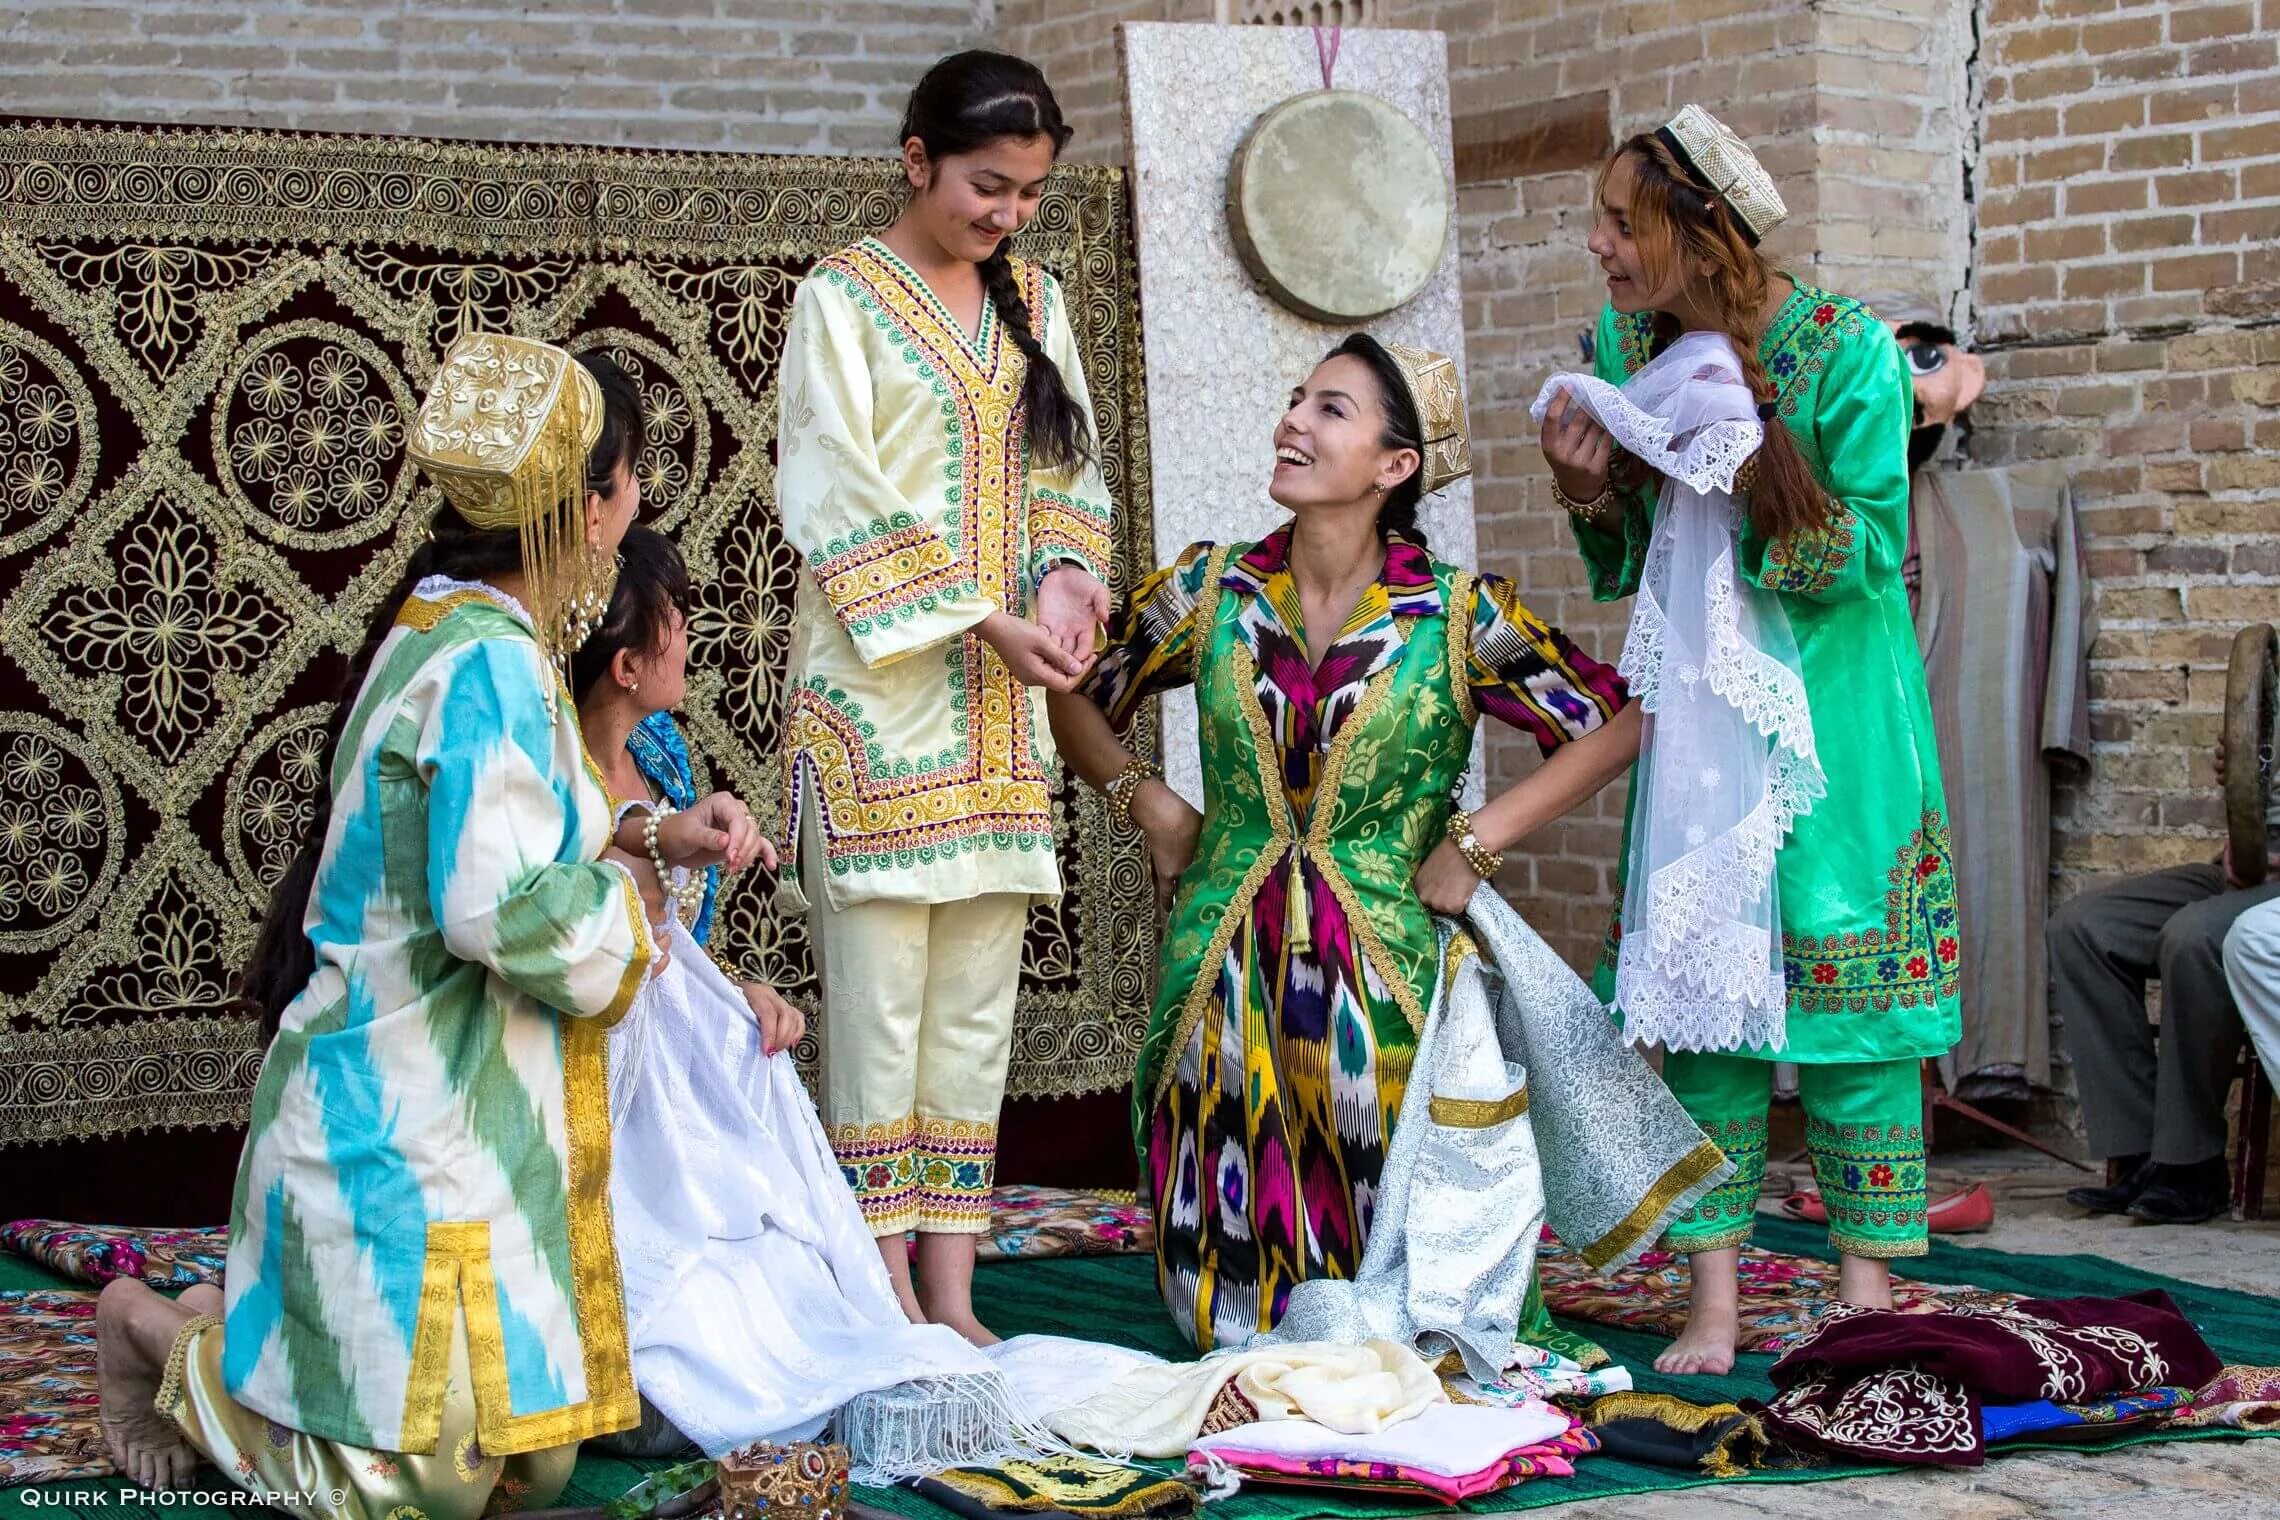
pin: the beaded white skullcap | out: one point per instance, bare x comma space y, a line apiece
1711, 152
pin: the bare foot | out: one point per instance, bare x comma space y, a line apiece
1713, 1316
946, 1284
1865, 1281
1706, 1345
971, 1328
134, 1332
205, 1298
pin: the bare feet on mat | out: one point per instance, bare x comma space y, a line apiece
966, 1325
205, 1298
946, 1283
1865, 1281
134, 1331
894, 1251
1713, 1319
1705, 1345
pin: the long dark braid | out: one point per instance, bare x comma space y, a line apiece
962, 104
283, 959
1059, 432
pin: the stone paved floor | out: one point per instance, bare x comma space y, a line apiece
2202, 1480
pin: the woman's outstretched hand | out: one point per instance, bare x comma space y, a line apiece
781, 1024
1032, 653
718, 830
1447, 881
1072, 605
1172, 828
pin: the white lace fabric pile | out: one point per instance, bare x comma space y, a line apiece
1727, 763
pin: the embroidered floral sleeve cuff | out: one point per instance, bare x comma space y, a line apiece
1068, 530
896, 588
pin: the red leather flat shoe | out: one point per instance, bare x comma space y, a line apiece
1967, 1211
1806, 1205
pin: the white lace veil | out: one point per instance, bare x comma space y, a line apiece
1727, 763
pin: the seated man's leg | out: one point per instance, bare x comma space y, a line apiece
2104, 948
2200, 1045
2252, 971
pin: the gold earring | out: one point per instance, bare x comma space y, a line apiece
633, 688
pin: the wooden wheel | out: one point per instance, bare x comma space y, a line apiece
2249, 697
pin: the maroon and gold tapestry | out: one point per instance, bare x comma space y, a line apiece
209, 340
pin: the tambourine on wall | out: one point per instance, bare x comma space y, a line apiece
1339, 206
2249, 701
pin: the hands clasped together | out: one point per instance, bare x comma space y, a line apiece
1056, 649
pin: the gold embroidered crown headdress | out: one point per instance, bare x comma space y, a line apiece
1708, 149
504, 433
1440, 402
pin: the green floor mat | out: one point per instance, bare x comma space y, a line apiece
1114, 1299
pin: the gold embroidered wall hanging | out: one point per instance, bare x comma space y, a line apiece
208, 341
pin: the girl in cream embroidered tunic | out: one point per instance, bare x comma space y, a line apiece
903, 479
937, 471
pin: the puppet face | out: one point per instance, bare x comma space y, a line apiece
1947, 380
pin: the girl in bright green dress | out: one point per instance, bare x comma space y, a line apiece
1866, 903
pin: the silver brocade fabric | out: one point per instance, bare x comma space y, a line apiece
1602, 1152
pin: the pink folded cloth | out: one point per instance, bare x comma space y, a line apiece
1443, 1464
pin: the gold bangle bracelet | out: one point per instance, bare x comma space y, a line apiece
1595, 511
1484, 861
1123, 785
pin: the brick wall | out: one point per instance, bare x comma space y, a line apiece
1561, 81
2114, 243
758, 75
2127, 289
1074, 42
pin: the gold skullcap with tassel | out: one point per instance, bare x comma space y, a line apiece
1708, 149
504, 434
1440, 402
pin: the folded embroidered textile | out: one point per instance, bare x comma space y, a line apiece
1663, 1430
100, 1253
2241, 1398
1887, 1387
48, 1427
1542, 1375
1080, 1487
1448, 1453
1029, 1223
1525, 1106
1782, 1297
1158, 1410
2053, 1421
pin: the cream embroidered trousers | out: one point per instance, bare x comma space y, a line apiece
916, 1037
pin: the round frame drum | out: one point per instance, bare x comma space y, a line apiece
1339, 206
2249, 698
